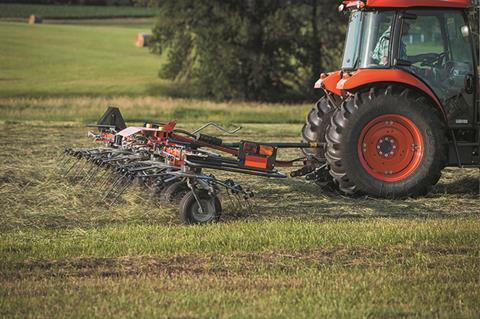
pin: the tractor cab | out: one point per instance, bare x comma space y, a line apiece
405, 102
432, 44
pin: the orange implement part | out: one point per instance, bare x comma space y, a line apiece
390, 147
265, 150
369, 76
255, 161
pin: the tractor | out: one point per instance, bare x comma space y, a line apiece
405, 103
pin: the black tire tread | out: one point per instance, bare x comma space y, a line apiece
315, 127
339, 121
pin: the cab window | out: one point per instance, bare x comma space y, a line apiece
433, 47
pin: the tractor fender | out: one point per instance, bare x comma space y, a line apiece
364, 77
328, 82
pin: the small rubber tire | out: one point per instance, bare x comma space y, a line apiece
348, 124
174, 192
188, 210
315, 127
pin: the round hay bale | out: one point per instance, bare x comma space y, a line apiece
142, 39
33, 19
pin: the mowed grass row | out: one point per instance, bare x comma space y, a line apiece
12, 10
34, 193
137, 109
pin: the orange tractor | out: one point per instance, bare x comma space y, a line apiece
405, 103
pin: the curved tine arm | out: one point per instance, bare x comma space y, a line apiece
217, 126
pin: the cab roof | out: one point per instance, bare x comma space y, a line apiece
419, 3
415, 3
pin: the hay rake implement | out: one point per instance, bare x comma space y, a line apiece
169, 163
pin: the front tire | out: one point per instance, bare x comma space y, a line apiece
315, 128
386, 142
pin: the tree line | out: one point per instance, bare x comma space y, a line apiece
265, 50
76, 2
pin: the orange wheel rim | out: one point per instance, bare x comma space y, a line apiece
390, 147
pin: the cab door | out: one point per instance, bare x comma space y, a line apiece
433, 47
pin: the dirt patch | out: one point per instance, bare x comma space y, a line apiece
108, 267
222, 266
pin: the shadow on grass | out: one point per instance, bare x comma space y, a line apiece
172, 90
465, 186
167, 89
299, 199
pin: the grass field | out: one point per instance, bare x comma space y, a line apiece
301, 252
10, 10
66, 60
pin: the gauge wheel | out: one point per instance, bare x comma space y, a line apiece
190, 213
386, 142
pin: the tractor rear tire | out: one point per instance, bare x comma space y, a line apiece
315, 128
386, 142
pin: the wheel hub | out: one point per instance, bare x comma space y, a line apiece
386, 146
390, 147
207, 210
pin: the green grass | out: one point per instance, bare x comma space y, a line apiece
137, 109
301, 252
72, 72
281, 235
10, 10
66, 60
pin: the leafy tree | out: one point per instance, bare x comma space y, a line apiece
251, 49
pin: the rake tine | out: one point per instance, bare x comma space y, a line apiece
90, 175
87, 175
240, 204
71, 167
61, 167
101, 178
117, 182
249, 206
232, 202
127, 184
61, 160
96, 173
109, 179
79, 171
